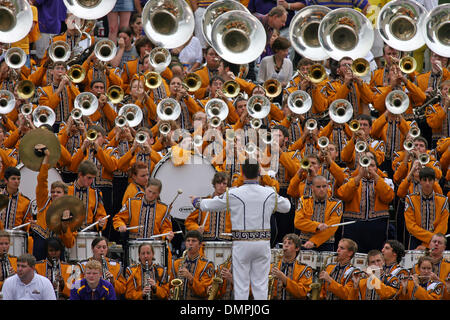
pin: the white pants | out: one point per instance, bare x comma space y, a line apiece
251, 266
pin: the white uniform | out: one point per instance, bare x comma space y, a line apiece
251, 206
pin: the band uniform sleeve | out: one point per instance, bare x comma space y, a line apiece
218, 203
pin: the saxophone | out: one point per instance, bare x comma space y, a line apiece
218, 280
147, 279
278, 257
177, 283
316, 286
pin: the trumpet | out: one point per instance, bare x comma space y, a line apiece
311, 124
250, 148
26, 109
364, 161
323, 142
354, 125
215, 121
424, 158
414, 132
397, 102
164, 128
255, 123
361, 146
168, 109
408, 145
132, 113
141, 137
299, 102
305, 164
43, 115
120, 121
267, 138
92, 135
76, 114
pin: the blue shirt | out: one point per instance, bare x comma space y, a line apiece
82, 291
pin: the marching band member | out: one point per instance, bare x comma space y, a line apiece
147, 211
139, 175
366, 197
92, 198
111, 270
372, 287
195, 271
301, 183
426, 213
146, 280
212, 225
380, 77
393, 251
432, 80
8, 263
438, 115
207, 72
292, 279
422, 286
307, 143
99, 70
105, 113
315, 214
337, 284
52, 263
335, 174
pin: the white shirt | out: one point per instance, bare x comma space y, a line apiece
267, 70
251, 206
192, 53
40, 288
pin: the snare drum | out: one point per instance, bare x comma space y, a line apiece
411, 258
310, 258
159, 255
82, 249
360, 261
217, 251
18, 242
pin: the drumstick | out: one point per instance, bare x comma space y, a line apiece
88, 227
132, 228
342, 224
206, 218
22, 225
447, 235
164, 234
179, 191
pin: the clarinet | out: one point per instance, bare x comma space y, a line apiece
146, 279
104, 268
54, 275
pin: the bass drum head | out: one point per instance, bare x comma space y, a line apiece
193, 178
28, 180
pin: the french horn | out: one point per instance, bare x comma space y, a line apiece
238, 37
90, 9
303, 32
346, 32
399, 24
16, 20
168, 23
436, 30
213, 11
299, 102
87, 102
397, 102
168, 109
43, 115
132, 113
340, 111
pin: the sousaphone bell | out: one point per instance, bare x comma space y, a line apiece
16, 20
299, 102
90, 9
397, 102
258, 106
30, 148
132, 113
55, 212
436, 30
340, 111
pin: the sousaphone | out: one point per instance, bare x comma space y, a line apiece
436, 30
31, 146
56, 209
90, 9
16, 20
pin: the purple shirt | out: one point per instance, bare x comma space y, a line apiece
50, 15
264, 6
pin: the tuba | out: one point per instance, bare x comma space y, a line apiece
436, 30
340, 111
160, 59
43, 115
299, 102
399, 24
15, 58
16, 20
214, 10
397, 102
90, 9
105, 50
168, 109
168, 23
303, 32
272, 88
76, 73
87, 102
59, 51
238, 37
258, 106
216, 108
115, 94
132, 113
192, 82
346, 33
26, 89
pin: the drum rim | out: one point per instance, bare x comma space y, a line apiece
16, 231
168, 156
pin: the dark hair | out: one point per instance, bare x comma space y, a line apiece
142, 41
54, 243
216, 78
235, 68
94, 81
304, 62
126, 30
97, 240
277, 11
427, 173
11, 171
365, 117
283, 130
280, 43
98, 128
154, 182
136, 166
194, 234
294, 238
87, 167
422, 139
398, 248
373, 253
250, 169
219, 177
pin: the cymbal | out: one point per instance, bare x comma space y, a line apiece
4, 199
55, 212
27, 153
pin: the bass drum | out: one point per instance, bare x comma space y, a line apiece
28, 180
194, 178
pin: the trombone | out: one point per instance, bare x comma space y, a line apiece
115, 94
360, 67
231, 88
192, 82
407, 64
76, 73
152, 80
272, 88
59, 51
92, 135
317, 73
26, 89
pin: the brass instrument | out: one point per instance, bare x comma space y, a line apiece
59, 51
310, 124
15, 58
7, 102
218, 280
105, 50
216, 108
272, 87
141, 137
424, 158
414, 132
364, 161
258, 106
354, 125
164, 128
278, 258
115, 94
147, 280
255, 123
89, 9
43, 115
316, 286
26, 109
168, 23
76, 73
408, 145
215, 122
305, 164
231, 88
177, 283
230, 134
168, 109
132, 113
87, 102
299, 102
317, 73
160, 59
92, 135
192, 82
360, 67
361, 146
407, 64
397, 102
26, 89
16, 19
436, 29
340, 111
152, 80
120, 121
250, 148
323, 142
